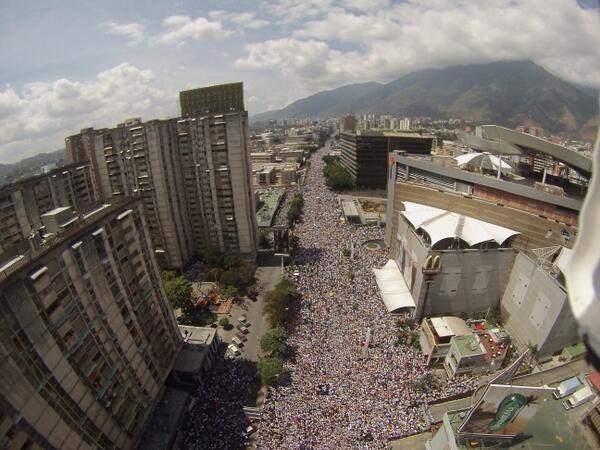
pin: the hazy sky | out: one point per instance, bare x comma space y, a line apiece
66, 65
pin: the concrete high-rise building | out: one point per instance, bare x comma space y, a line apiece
142, 159
217, 177
23, 203
212, 100
193, 175
87, 337
348, 123
79, 149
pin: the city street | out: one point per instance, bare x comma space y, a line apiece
268, 275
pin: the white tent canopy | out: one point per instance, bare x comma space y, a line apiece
441, 224
392, 287
483, 160
564, 259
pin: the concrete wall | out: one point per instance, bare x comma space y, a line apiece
469, 281
536, 309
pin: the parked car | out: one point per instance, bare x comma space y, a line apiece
581, 396
243, 329
237, 341
234, 349
567, 387
243, 320
241, 336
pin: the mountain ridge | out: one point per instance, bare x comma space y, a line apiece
508, 93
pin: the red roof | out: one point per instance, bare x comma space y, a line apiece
594, 378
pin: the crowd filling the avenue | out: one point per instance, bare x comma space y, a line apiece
337, 394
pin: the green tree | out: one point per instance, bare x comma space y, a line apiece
239, 277
263, 240
224, 322
230, 291
295, 209
337, 177
274, 342
271, 371
179, 292
231, 262
279, 305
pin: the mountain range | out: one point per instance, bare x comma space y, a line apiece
508, 93
29, 166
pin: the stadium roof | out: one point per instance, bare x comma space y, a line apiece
440, 224
510, 142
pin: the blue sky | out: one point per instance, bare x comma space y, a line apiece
72, 64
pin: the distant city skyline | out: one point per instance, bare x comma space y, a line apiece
69, 65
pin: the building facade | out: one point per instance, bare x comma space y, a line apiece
209, 100
87, 335
193, 175
365, 153
536, 309
23, 203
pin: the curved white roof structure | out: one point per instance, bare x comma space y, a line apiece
440, 224
484, 160
392, 287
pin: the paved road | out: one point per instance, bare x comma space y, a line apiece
268, 275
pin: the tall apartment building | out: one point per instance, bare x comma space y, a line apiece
193, 175
87, 337
79, 149
217, 174
23, 203
142, 159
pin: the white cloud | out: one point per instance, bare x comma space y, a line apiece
40, 116
288, 11
134, 32
359, 40
180, 29
248, 20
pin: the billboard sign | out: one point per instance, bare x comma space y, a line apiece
504, 410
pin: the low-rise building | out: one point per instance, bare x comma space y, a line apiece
476, 353
196, 358
437, 332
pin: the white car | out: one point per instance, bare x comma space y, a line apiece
237, 341
244, 321
234, 350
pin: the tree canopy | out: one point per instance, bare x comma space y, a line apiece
179, 291
279, 305
271, 371
337, 177
274, 342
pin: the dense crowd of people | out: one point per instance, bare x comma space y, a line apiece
216, 420
341, 395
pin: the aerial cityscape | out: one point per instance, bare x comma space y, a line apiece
331, 224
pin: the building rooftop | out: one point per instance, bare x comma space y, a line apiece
440, 224
552, 427
84, 224
391, 133
468, 345
449, 326
447, 170
270, 199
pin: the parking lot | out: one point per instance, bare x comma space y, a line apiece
267, 276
